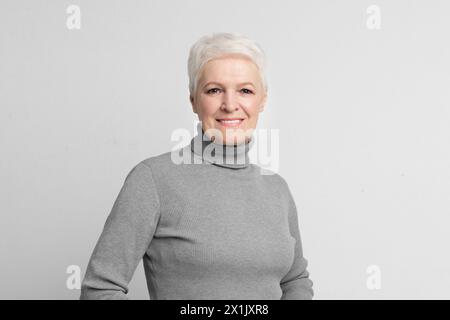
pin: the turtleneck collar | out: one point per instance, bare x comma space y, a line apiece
228, 156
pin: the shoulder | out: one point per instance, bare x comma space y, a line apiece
166, 160
162, 165
158, 162
272, 177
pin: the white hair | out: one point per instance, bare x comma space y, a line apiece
217, 45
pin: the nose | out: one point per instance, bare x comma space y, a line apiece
229, 102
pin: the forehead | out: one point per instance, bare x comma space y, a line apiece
230, 67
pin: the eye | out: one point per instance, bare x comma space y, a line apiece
247, 91
212, 90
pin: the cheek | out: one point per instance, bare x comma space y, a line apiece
208, 106
251, 106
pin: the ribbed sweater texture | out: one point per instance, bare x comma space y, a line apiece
205, 229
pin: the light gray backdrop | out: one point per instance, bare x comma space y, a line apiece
363, 115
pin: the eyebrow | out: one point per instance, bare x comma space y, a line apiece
241, 84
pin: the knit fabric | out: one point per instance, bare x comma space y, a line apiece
205, 229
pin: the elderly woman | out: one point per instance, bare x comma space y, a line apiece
213, 227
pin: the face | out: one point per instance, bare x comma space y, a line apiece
229, 88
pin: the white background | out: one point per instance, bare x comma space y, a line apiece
363, 117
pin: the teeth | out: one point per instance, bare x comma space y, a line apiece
230, 121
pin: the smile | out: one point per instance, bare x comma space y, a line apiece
235, 122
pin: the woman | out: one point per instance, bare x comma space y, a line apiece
213, 227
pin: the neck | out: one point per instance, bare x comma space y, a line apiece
223, 155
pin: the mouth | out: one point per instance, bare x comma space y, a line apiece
230, 122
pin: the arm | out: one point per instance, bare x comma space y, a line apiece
296, 284
125, 238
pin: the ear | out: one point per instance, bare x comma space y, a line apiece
194, 107
263, 103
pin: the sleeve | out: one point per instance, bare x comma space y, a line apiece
296, 284
126, 235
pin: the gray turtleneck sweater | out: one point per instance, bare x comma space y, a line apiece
211, 227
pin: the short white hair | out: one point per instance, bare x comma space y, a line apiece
217, 45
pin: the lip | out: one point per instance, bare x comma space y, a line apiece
230, 125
